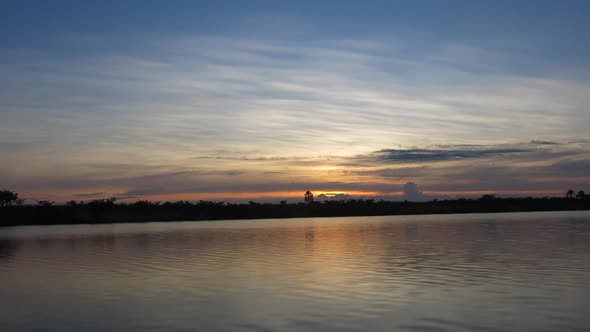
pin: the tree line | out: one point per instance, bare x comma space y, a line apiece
109, 210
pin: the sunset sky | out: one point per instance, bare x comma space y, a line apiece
261, 100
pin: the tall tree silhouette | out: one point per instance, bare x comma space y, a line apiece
308, 198
8, 197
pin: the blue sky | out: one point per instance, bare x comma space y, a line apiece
548, 29
262, 100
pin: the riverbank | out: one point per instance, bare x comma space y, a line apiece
106, 211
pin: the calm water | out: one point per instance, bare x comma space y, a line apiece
501, 272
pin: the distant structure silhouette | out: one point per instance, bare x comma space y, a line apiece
308, 198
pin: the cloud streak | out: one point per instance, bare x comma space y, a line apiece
284, 115
521, 169
425, 155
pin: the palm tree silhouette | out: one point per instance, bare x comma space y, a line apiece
308, 198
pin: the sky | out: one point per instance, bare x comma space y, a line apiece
263, 100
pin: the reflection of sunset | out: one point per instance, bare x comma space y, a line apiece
341, 271
324, 252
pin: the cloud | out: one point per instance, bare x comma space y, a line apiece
572, 168
533, 150
539, 142
95, 194
243, 158
409, 191
424, 155
272, 95
540, 169
446, 152
282, 115
399, 173
335, 197
413, 193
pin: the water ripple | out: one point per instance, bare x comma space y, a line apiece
505, 272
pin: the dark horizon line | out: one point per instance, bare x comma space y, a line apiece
324, 196
106, 211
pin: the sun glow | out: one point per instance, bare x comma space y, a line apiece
333, 193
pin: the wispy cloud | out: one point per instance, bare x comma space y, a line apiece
345, 114
425, 155
86, 195
539, 142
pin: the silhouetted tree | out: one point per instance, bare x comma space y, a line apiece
8, 198
103, 202
308, 197
487, 197
45, 203
570, 194
144, 204
581, 194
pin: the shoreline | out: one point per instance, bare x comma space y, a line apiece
143, 212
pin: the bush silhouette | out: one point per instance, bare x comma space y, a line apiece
8, 198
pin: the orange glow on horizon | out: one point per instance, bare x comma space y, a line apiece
256, 195
61, 197
368, 194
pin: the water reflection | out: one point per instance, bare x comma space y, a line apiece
480, 272
8, 249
